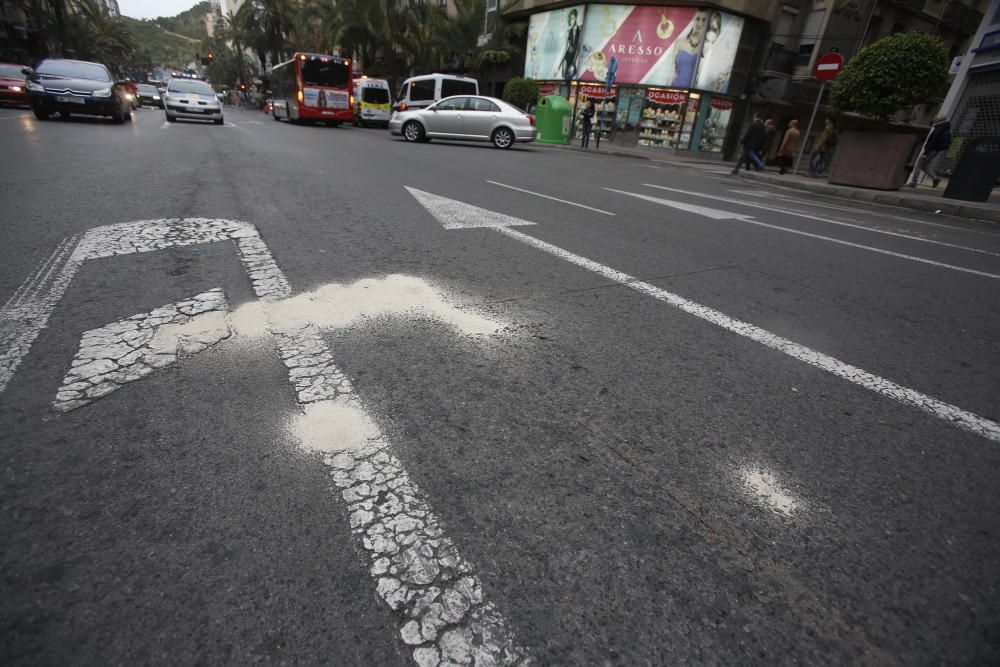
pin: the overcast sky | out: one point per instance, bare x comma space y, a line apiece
150, 9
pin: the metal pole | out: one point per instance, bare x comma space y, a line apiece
805, 137
604, 105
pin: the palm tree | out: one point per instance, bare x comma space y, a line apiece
267, 26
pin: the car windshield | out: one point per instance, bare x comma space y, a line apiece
146, 89
328, 73
11, 72
190, 86
74, 70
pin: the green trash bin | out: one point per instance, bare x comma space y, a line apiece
553, 116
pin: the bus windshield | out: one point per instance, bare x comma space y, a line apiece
329, 74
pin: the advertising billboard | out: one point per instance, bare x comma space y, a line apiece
653, 45
681, 47
553, 44
722, 39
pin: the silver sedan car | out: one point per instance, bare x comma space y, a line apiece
191, 98
466, 117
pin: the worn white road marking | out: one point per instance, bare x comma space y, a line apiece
165, 125
764, 489
231, 124
23, 115
750, 221
713, 213
945, 411
561, 201
815, 218
27, 311
418, 570
133, 348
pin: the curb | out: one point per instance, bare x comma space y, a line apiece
939, 205
590, 151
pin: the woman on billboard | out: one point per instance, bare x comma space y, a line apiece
572, 46
688, 50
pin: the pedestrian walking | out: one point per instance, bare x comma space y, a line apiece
753, 141
588, 122
819, 160
789, 144
770, 130
940, 140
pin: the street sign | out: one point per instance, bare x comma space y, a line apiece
612, 73
828, 66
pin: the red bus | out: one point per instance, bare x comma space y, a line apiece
312, 87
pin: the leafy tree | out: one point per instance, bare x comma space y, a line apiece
521, 92
892, 74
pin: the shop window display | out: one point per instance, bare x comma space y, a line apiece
690, 116
713, 133
661, 118
606, 106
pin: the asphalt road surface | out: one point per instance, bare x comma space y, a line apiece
276, 394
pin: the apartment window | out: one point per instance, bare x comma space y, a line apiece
810, 33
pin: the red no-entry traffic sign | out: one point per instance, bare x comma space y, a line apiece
828, 66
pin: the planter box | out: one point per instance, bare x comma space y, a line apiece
874, 160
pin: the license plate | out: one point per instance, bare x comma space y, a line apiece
71, 100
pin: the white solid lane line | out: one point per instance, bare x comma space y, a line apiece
848, 209
808, 216
751, 221
450, 214
561, 201
945, 411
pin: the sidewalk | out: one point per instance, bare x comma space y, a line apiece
922, 198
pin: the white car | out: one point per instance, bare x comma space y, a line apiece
191, 98
467, 118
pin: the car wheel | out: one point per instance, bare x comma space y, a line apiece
41, 114
413, 131
502, 137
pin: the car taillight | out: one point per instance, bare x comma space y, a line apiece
352, 101
300, 97
531, 119
404, 106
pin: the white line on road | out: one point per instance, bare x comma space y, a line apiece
849, 209
165, 125
862, 378
232, 124
417, 568
749, 220
23, 115
714, 213
561, 201
809, 216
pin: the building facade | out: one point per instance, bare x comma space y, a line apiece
689, 75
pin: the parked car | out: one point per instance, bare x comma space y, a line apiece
372, 102
12, 90
419, 92
147, 94
76, 87
466, 118
191, 98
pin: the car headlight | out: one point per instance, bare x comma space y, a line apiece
16, 89
36, 87
103, 92
156, 97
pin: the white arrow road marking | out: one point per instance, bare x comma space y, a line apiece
561, 201
950, 413
418, 570
131, 349
749, 220
713, 213
809, 216
456, 215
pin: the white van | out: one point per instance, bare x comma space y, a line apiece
419, 92
372, 102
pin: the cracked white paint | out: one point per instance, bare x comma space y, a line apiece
417, 569
131, 349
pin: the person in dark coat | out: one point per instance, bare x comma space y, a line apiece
940, 140
753, 142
